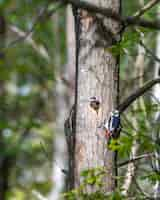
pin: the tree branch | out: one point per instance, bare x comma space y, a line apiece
139, 92
93, 8
149, 52
26, 36
38, 17
28, 39
127, 21
135, 159
146, 7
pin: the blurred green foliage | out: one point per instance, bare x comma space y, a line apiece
27, 81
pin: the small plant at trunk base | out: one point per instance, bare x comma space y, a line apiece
92, 177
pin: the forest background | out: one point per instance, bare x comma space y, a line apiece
37, 86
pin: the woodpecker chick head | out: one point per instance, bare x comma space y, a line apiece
94, 103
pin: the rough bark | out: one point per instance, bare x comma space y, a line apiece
97, 77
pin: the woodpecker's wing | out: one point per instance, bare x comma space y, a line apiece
116, 122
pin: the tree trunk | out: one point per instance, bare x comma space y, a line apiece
97, 77
59, 161
156, 133
64, 101
131, 169
4, 159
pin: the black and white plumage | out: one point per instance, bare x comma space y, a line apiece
112, 126
114, 121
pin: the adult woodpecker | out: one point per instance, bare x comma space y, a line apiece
112, 126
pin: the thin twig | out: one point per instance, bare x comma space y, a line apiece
146, 7
28, 39
26, 35
149, 52
148, 155
29, 32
